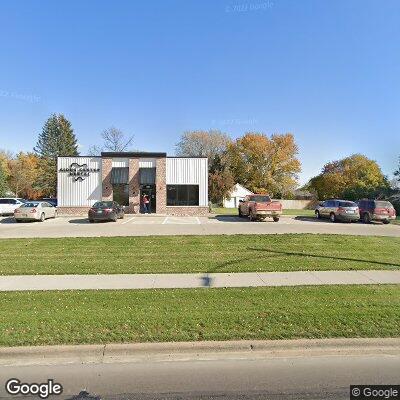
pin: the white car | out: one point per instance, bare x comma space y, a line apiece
9, 204
35, 211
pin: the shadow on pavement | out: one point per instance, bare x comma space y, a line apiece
8, 220
82, 221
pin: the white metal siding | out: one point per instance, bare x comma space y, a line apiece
71, 193
120, 162
147, 163
189, 171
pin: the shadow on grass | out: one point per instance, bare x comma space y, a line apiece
207, 280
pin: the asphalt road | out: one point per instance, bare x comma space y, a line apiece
306, 377
161, 225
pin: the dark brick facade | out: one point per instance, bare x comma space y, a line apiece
107, 190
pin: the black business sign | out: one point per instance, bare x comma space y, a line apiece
79, 171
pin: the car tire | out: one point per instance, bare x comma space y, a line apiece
91, 221
18, 220
115, 218
252, 216
42, 217
386, 221
332, 217
366, 218
55, 215
276, 219
240, 213
317, 214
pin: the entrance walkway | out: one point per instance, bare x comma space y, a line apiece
217, 280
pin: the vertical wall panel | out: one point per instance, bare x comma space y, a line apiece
186, 171
71, 193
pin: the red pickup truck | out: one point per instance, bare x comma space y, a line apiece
259, 207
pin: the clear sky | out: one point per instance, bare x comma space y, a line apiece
327, 71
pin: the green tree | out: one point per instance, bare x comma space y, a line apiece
350, 178
265, 164
3, 182
220, 180
397, 172
56, 139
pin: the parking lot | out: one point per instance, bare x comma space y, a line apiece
146, 225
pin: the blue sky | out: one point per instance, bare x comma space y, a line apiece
327, 71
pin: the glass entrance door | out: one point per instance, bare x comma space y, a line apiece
150, 192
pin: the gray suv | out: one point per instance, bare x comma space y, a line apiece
338, 210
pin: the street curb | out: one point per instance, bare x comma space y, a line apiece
137, 352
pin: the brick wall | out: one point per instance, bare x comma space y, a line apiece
161, 188
187, 211
71, 211
134, 187
107, 190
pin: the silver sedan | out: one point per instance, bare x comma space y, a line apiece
35, 211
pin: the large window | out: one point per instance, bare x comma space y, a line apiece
182, 195
121, 194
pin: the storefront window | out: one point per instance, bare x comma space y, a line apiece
121, 194
182, 195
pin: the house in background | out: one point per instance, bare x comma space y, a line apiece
239, 192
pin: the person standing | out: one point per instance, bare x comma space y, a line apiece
146, 204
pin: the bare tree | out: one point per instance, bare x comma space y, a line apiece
202, 144
113, 140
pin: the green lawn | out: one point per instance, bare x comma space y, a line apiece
178, 254
73, 317
234, 211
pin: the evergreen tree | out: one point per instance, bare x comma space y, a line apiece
56, 139
3, 182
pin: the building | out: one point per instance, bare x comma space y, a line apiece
174, 185
239, 192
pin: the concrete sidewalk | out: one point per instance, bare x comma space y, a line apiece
217, 280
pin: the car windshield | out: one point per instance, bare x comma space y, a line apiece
30, 204
383, 204
260, 199
347, 204
103, 204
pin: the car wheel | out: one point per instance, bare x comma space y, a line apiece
55, 214
240, 213
252, 216
276, 219
317, 214
366, 218
18, 220
386, 221
332, 217
91, 221
42, 217
115, 218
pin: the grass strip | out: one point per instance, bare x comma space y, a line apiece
179, 254
76, 317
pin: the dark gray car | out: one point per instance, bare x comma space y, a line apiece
106, 211
338, 210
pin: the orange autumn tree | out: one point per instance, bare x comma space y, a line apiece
265, 164
24, 172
